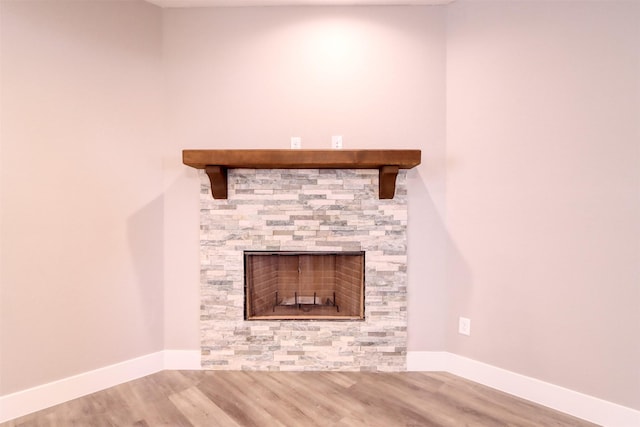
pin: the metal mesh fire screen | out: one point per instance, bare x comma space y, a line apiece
304, 285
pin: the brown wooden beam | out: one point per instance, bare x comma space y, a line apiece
301, 159
216, 162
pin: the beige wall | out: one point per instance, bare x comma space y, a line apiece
252, 78
82, 190
535, 236
543, 190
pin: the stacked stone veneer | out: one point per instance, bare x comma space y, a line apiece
303, 209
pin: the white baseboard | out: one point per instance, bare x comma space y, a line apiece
564, 400
182, 360
568, 401
37, 398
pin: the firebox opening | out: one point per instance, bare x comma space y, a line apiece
288, 285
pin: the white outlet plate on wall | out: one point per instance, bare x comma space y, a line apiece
464, 326
336, 142
296, 142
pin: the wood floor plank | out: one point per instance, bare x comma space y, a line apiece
398, 403
200, 410
277, 403
262, 404
225, 390
343, 379
298, 399
292, 387
511, 409
337, 402
324, 396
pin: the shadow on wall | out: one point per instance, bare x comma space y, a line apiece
439, 278
459, 284
145, 234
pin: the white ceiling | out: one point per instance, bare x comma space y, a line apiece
244, 3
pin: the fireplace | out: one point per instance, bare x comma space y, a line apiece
288, 285
294, 213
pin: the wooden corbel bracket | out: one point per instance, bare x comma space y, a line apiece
218, 179
387, 181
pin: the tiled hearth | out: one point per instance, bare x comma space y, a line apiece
303, 210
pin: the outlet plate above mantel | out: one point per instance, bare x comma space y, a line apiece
216, 162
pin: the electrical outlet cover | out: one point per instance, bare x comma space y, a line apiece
296, 142
464, 326
336, 142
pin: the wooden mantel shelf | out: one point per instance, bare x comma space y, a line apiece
216, 162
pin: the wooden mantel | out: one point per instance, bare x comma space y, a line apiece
216, 162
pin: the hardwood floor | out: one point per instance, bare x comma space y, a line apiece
300, 399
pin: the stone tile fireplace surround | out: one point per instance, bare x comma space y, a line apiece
303, 210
